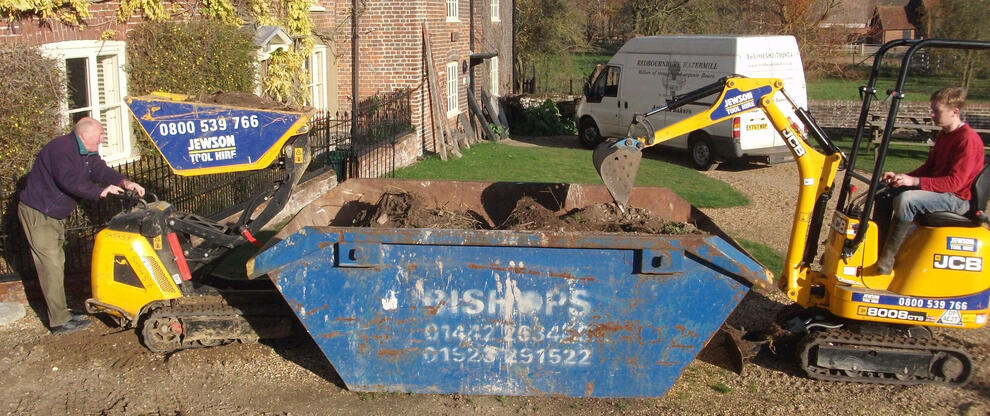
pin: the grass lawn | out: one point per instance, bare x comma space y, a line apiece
566, 74
504, 163
767, 256
900, 158
916, 88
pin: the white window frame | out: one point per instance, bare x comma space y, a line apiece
317, 67
453, 106
452, 11
120, 143
493, 75
314, 6
496, 17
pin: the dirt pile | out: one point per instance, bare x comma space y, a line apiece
244, 99
397, 209
405, 210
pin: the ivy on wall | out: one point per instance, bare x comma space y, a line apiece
190, 58
286, 77
69, 12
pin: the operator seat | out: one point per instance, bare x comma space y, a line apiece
977, 214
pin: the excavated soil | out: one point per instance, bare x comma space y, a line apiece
244, 99
398, 209
105, 370
406, 210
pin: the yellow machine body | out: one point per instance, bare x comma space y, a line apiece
128, 273
938, 280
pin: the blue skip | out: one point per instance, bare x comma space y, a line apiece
506, 312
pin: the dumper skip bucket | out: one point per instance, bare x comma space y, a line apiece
505, 312
206, 138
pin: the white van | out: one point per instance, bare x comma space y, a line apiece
647, 71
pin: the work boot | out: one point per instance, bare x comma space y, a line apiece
71, 326
77, 317
895, 238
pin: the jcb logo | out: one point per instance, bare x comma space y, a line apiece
969, 264
891, 313
793, 142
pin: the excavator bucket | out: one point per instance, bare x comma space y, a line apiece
617, 162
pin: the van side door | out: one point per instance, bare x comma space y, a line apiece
603, 100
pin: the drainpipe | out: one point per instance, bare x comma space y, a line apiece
354, 67
471, 63
514, 74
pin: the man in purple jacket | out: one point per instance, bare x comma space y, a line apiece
67, 168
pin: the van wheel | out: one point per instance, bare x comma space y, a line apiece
588, 133
702, 154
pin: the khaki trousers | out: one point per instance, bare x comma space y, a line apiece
46, 236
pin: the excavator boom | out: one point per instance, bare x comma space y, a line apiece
617, 161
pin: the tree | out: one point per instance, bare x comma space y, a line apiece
601, 25
544, 28
961, 19
802, 19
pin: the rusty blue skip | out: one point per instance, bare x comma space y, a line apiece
505, 312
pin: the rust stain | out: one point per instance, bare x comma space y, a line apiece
364, 344
659, 338
324, 245
379, 320
350, 319
681, 328
412, 267
667, 363
405, 321
603, 330
523, 270
332, 334
678, 345
589, 388
395, 353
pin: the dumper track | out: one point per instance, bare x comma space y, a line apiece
207, 321
842, 355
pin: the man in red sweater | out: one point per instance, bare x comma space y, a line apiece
942, 183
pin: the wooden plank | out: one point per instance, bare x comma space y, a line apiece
491, 106
451, 142
469, 135
476, 109
460, 132
431, 77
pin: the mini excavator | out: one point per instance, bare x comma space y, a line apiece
851, 323
147, 268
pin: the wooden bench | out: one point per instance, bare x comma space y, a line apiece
877, 123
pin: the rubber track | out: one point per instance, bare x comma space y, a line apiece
195, 306
844, 337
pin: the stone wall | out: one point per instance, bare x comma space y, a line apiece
843, 114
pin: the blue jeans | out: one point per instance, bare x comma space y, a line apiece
903, 204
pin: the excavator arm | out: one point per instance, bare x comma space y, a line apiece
617, 161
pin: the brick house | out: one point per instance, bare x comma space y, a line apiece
890, 23
471, 41
872, 21
389, 47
